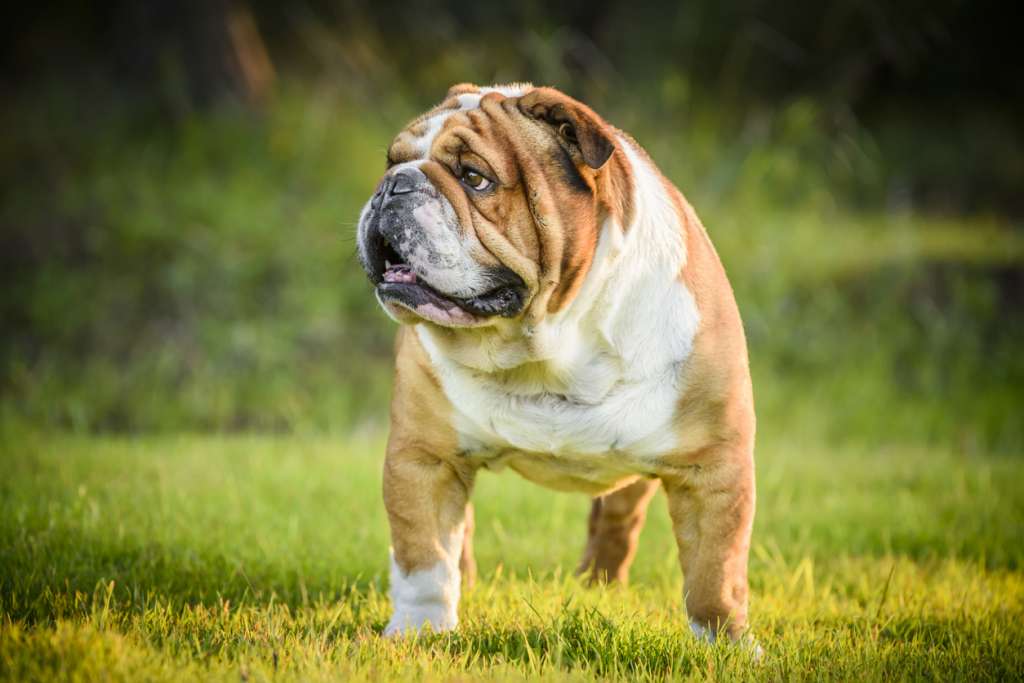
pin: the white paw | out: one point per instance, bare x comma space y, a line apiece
428, 597
746, 641
413, 622
702, 632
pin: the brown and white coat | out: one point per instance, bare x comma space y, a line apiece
621, 366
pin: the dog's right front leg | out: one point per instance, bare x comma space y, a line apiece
426, 500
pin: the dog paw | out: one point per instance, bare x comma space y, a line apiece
414, 622
745, 642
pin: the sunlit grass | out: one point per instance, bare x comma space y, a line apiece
200, 276
252, 557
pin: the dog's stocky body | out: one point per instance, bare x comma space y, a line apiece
565, 316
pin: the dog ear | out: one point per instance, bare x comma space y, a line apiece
461, 89
574, 121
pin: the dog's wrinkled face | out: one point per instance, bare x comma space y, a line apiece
490, 207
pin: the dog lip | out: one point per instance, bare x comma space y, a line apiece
418, 297
395, 279
401, 283
504, 300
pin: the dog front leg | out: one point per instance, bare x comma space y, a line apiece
712, 515
426, 501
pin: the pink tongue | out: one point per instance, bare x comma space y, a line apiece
399, 273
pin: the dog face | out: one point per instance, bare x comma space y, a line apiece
490, 208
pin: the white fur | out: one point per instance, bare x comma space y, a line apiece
702, 632
588, 397
434, 123
471, 100
467, 101
508, 89
427, 596
448, 264
707, 635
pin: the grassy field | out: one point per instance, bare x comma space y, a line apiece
172, 281
249, 558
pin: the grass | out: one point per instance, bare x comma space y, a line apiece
245, 557
196, 276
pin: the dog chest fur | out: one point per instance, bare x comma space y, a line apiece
564, 441
600, 405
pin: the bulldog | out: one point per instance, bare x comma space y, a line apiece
562, 313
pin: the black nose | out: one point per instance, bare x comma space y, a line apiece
400, 182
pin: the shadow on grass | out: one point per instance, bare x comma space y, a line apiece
42, 581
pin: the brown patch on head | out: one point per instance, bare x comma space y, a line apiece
405, 146
574, 120
557, 172
597, 171
479, 139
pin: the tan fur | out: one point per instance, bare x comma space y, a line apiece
712, 508
545, 229
613, 531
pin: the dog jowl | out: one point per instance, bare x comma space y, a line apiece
562, 313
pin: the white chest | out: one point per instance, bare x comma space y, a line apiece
633, 419
572, 440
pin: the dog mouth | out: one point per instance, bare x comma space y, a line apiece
399, 285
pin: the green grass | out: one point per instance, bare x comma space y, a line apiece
162, 278
224, 242
249, 558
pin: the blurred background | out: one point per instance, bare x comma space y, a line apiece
181, 180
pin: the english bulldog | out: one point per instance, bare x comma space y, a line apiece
562, 313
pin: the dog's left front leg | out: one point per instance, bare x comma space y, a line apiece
712, 514
426, 501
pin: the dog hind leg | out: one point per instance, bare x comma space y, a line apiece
613, 532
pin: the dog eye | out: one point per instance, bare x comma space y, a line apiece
475, 180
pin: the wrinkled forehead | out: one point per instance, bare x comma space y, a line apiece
416, 139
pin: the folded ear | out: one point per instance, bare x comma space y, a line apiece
574, 121
461, 89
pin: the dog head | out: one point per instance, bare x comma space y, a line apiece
490, 208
